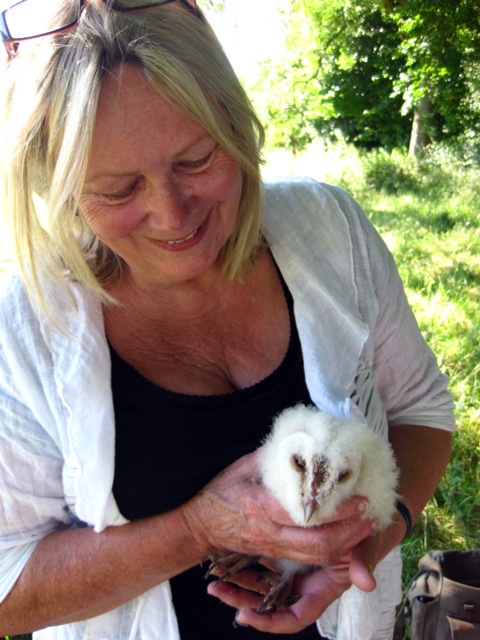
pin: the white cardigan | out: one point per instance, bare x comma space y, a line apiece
57, 425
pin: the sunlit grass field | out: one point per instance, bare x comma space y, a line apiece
429, 214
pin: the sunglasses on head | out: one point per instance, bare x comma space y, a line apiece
29, 19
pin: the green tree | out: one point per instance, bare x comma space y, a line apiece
358, 72
371, 69
440, 42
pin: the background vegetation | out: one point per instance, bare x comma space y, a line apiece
428, 212
377, 73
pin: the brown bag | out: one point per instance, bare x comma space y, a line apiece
443, 600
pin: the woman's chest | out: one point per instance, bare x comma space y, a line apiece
219, 356
233, 346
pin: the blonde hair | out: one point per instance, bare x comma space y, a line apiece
49, 113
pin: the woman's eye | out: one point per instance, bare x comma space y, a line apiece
121, 195
195, 164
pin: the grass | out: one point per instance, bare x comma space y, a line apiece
429, 214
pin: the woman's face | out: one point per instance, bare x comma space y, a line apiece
159, 191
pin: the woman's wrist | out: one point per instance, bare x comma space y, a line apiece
197, 536
377, 546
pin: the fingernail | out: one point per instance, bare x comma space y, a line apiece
237, 623
213, 585
362, 506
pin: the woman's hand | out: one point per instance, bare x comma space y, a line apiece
317, 591
235, 513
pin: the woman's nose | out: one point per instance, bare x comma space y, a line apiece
169, 205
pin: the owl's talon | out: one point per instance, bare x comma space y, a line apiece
231, 564
280, 595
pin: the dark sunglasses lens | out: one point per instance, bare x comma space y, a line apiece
37, 17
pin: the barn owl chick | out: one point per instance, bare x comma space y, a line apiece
312, 462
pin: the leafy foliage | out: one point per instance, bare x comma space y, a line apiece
286, 94
358, 70
441, 45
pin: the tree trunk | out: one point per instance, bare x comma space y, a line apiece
419, 138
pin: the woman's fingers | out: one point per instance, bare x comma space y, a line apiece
236, 596
316, 590
323, 544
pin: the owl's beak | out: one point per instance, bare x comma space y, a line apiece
309, 507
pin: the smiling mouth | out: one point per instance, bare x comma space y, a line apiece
182, 240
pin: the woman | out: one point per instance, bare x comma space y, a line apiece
152, 337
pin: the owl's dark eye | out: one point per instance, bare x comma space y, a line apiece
344, 476
298, 463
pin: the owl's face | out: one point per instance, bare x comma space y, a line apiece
310, 476
322, 475
312, 462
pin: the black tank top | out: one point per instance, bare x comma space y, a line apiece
169, 445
